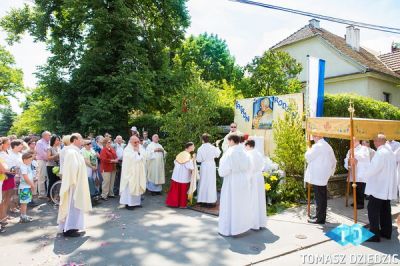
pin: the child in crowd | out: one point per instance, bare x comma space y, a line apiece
26, 185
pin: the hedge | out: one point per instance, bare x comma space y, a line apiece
336, 105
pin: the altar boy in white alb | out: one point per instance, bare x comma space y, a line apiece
382, 186
133, 176
155, 166
321, 162
258, 202
234, 210
206, 154
74, 191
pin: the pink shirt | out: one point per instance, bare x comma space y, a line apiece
41, 149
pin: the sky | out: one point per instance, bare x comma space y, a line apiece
247, 30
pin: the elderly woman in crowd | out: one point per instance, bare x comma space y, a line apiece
53, 159
108, 159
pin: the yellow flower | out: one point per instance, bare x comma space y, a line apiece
273, 178
267, 187
265, 174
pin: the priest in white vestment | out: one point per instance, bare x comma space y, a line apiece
258, 202
321, 165
233, 131
206, 154
361, 153
181, 178
133, 175
74, 191
234, 211
155, 156
382, 186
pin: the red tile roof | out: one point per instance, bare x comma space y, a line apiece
363, 57
392, 60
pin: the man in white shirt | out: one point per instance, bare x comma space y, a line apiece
321, 166
361, 153
382, 186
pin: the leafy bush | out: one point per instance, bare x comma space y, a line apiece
225, 115
193, 107
336, 105
292, 190
290, 144
272, 181
149, 122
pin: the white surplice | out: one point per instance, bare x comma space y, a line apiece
321, 163
258, 201
382, 182
207, 191
361, 153
133, 176
234, 211
155, 166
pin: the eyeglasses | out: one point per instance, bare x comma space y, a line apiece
233, 127
135, 142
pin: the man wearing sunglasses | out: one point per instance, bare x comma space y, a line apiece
233, 131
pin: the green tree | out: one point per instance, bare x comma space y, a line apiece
212, 57
273, 73
10, 77
7, 117
193, 106
108, 57
290, 144
36, 115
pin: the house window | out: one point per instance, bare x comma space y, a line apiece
386, 97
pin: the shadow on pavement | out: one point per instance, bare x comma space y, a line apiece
65, 246
251, 242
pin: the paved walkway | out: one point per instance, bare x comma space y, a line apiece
157, 235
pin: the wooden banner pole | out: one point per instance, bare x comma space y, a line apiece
352, 161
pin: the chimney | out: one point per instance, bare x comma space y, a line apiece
353, 38
314, 23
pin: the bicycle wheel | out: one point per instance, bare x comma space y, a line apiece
55, 192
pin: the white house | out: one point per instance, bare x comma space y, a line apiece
349, 67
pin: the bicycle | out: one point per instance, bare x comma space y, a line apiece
55, 188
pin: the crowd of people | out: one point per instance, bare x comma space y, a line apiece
30, 166
100, 168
